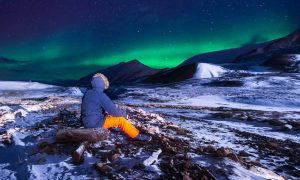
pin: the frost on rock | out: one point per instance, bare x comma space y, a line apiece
153, 158
74, 91
205, 70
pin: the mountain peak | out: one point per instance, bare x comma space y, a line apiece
133, 62
123, 72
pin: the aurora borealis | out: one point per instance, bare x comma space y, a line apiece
67, 39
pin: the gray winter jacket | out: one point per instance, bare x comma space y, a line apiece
94, 102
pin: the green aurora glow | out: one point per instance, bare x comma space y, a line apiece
70, 53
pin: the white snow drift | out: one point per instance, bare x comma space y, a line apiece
205, 70
18, 85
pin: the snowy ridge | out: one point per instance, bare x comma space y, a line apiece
205, 70
19, 85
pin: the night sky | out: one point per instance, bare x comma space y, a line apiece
67, 39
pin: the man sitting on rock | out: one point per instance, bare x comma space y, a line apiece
97, 110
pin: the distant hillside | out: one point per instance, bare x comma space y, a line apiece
272, 54
289, 44
123, 72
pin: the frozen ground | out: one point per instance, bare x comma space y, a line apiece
237, 126
255, 114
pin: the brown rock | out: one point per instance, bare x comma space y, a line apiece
257, 163
114, 157
186, 176
164, 139
78, 154
181, 131
200, 149
273, 145
224, 152
209, 149
244, 154
104, 169
48, 150
233, 157
7, 139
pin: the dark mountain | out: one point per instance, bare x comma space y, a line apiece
221, 57
289, 44
176, 74
123, 72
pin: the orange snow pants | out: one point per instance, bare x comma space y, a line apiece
122, 123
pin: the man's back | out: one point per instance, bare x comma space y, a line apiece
94, 102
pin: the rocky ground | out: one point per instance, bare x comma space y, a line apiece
170, 155
188, 141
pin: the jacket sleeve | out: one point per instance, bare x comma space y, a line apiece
110, 107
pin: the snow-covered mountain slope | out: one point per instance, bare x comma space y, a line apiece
286, 63
222, 56
205, 70
252, 55
289, 44
182, 73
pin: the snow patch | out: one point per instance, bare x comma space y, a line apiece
18, 85
75, 91
218, 101
153, 158
254, 172
16, 137
205, 70
5, 173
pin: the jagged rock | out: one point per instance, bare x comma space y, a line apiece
244, 154
7, 139
104, 169
223, 152
209, 149
182, 167
233, 157
114, 157
77, 155
273, 145
181, 131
